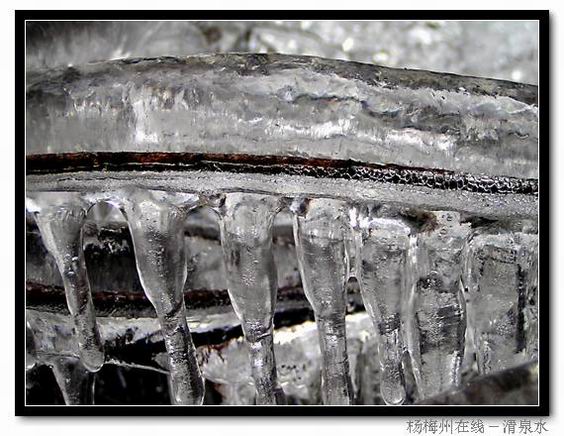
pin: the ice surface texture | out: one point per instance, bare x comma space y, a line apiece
286, 106
291, 126
410, 161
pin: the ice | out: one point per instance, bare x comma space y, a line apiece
383, 245
298, 362
409, 265
225, 365
60, 219
156, 222
74, 380
246, 238
486, 205
320, 229
501, 281
111, 263
437, 321
30, 347
438, 151
369, 373
529, 262
286, 106
517, 385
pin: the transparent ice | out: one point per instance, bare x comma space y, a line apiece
418, 252
436, 320
501, 281
246, 238
156, 222
383, 245
61, 218
74, 380
320, 231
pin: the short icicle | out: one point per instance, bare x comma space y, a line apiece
156, 221
320, 229
60, 218
246, 238
382, 245
501, 276
437, 318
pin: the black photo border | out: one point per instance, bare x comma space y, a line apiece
543, 409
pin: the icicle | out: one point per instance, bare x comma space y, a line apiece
60, 218
156, 221
246, 239
382, 255
75, 381
501, 279
370, 372
320, 230
30, 348
528, 261
436, 322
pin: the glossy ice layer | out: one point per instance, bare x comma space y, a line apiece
286, 105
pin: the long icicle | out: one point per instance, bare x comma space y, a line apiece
382, 246
156, 221
60, 218
320, 229
246, 239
